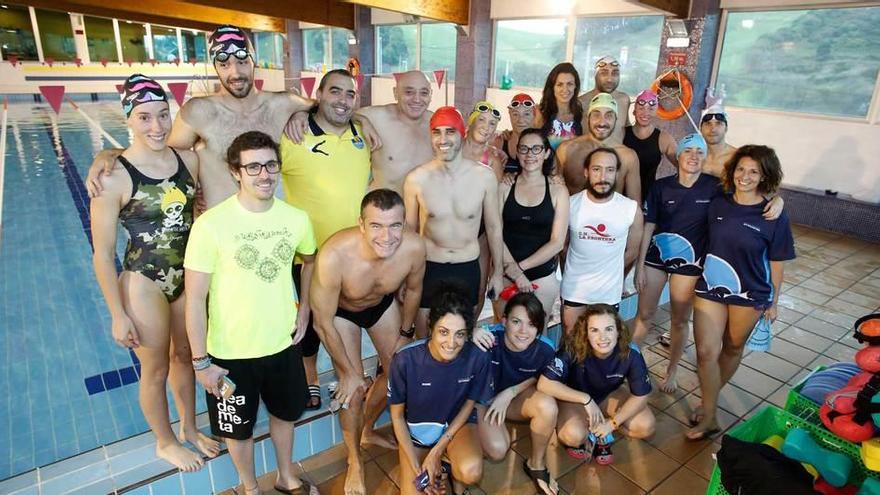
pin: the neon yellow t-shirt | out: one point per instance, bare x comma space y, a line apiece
326, 176
249, 256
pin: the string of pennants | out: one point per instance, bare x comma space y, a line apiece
54, 95
14, 61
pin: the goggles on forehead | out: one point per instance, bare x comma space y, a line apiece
614, 64
720, 117
650, 103
523, 103
485, 108
240, 54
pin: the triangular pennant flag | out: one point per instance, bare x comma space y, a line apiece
193, 60
397, 76
153, 62
54, 95
178, 91
13, 59
176, 61
438, 76
128, 62
50, 61
78, 61
308, 83
104, 62
259, 84
360, 80
119, 88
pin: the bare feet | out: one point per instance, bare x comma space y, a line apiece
372, 437
181, 457
354, 479
205, 444
669, 385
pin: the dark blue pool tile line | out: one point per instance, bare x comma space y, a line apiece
109, 380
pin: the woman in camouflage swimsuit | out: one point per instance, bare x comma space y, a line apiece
151, 194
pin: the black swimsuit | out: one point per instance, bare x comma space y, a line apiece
512, 166
527, 228
648, 151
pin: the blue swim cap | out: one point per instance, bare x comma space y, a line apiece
691, 141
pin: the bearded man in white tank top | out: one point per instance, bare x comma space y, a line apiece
604, 232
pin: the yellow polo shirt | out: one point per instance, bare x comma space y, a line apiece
326, 176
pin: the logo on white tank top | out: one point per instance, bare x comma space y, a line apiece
596, 233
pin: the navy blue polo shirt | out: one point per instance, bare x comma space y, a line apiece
512, 368
601, 377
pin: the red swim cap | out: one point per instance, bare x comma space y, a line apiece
448, 117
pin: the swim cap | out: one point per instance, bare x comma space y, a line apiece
482, 107
230, 40
690, 141
646, 95
607, 60
448, 117
522, 98
139, 89
714, 112
602, 100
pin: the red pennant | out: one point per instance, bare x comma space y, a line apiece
78, 61
153, 62
259, 84
50, 61
104, 62
129, 62
397, 76
177, 61
438, 76
360, 80
308, 84
13, 59
193, 60
54, 95
178, 90
119, 88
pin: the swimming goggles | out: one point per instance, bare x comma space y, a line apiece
255, 169
485, 108
601, 65
650, 103
524, 103
720, 117
240, 54
534, 150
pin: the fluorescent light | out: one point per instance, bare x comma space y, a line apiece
748, 23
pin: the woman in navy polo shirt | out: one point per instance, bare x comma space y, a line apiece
742, 273
432, 389
598, 356
519, 354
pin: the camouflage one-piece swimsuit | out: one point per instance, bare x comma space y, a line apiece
158, 218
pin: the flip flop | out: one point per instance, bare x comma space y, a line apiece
603, 454
537, 475
314, 398
304, 489
704, 435
665, 339
696, 416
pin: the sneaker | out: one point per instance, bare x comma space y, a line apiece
603, 454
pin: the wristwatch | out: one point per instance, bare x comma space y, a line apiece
410, 333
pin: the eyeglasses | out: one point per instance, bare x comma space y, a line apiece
485, 108
240, 54
255, 169
650, 103
524, 103
525, 150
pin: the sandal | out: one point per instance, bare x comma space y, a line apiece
314, 398
538, 475
665, 339
603, 454
304, 489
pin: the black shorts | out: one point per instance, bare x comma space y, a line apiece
368, 317
310, 341
572, 304
463, 275
673, 266
279, 380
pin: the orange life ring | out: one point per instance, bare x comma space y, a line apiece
686, 92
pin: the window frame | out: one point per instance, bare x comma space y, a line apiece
872, 117
418, 47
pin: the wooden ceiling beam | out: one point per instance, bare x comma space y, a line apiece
327, 12
677, 8
457, 11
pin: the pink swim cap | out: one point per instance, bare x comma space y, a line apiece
448, 117
647, 95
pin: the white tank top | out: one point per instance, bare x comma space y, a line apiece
597, 240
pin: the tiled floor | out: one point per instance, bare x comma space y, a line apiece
834, 281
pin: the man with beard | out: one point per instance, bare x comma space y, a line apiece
326, 176
605, 229
602, 117
607, 79
210, 123
713, 127
445, 200
357, 274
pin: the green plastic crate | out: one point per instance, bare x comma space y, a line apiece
800, 406
774, 421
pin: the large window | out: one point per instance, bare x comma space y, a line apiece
325, 48
821, 61
56, 35
16, 33
164, 43
396, 48
133, 36
100, 38
633, 41
270, 50
438, 48
526, 50
194, 45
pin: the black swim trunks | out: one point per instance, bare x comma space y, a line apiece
463, 275
368, 317
573, 304
279, 380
